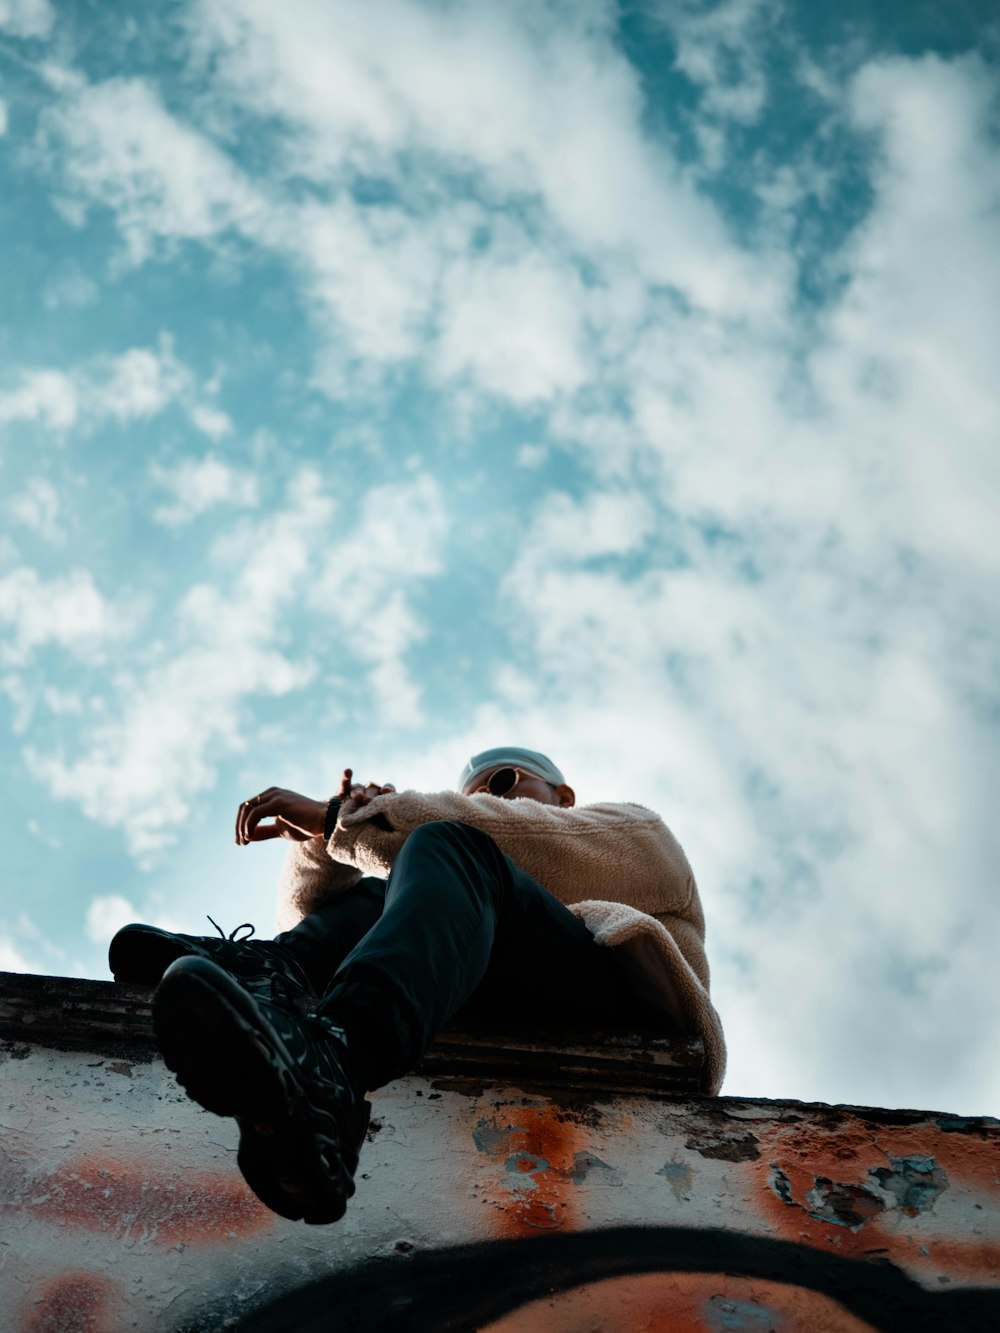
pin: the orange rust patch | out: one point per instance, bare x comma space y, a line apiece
73, 1303
859, 1145
536, 1148
830, 1169
976, 1258
109, 1195
682, 1303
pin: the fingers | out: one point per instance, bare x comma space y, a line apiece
365, 794
251, 812
279, 829
295, 815
241, 816
245, 810
264, 831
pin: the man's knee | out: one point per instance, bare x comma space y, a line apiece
447, 830
450, 836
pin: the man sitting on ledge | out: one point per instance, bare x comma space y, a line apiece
503, 901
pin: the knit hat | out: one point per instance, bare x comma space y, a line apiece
534, 762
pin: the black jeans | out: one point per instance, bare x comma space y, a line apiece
456, 927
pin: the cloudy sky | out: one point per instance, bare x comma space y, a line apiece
383, 381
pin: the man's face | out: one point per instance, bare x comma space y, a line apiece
528, 785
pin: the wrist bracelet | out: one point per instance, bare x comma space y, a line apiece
330, 823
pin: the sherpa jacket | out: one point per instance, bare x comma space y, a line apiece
617, 867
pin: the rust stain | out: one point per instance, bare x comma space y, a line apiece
73, 1303
127, 1198
854, 1187
683, 1303
542, 1156
976, 1258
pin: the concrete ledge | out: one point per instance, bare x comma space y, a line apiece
66, 1013
479, 1199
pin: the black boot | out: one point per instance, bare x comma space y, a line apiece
288, 1081
142, 954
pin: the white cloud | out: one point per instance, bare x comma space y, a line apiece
134, 385
125, 150
139, 384
24, 947
26, 18
417, 274
909, 369
38, 507
144, 768
13, 960
531, 455
211, 421
48, 396
776, 623
534, 350
106, 915
363, 90
363, 588
198, 485
3, 117
69, 612
72, 288
719, 50
368, 279
822, 778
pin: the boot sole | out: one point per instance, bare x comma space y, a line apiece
228, 1058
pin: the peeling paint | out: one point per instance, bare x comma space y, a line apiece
916, 1182
122, 1203
843, 1205
725, 1147
679, 1177
585, 1165
725, 1315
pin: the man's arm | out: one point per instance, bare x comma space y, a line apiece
621, 853
310, 875
309, 878
297, 817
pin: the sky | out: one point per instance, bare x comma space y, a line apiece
381, 382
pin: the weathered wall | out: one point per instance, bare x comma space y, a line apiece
484, 1205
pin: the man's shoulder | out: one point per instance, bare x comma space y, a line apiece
628, 812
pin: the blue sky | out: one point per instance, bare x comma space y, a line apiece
382, 382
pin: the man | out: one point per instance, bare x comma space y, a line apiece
501, 900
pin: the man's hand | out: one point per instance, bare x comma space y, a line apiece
295, 817
361, 793
367, 793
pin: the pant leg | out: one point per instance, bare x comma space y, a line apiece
323, 939
463, 923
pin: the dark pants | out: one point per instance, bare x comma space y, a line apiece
456, 927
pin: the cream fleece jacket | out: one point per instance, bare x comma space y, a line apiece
617, 867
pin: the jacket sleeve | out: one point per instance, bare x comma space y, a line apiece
619, 853
309, 878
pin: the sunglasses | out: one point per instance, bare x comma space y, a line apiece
504, 780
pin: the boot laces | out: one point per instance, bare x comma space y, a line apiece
231, 937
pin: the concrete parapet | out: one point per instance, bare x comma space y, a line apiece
510, 1184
